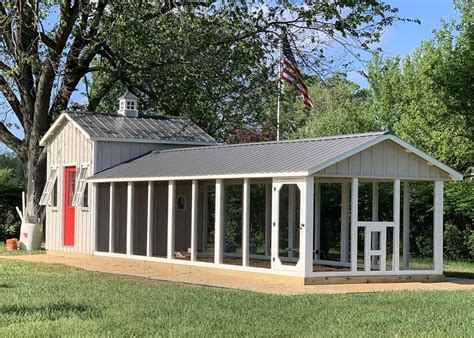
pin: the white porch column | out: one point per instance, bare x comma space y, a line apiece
205, 217
375, 216
149, 220
194, 216
406, 224
317, 220
268, 219
354, 220
246, 222
291, 218
219, 226
345, 202
396, 228
130, 201
171, 218
112, 217
438, 227
307, 203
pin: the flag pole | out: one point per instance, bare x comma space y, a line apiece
279, 92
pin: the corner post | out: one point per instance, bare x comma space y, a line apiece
205, 217
95, 216
406, 224
130, 202
219, 226
396, 228
246, 222
112, 218
171, 218
438, 227
354, 220
194, 216
307, 204
149, 220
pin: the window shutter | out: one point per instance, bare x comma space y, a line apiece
80, 185
53, 174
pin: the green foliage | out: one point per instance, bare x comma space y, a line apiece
10, 197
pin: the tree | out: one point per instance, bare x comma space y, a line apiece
47, 47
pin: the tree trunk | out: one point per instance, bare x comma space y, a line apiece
35, 172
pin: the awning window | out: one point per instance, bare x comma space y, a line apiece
45, 197
81, 184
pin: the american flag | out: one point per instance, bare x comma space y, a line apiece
290, 73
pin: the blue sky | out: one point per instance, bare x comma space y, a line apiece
400, 38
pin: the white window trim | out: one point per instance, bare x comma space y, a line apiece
52, 178
81, 182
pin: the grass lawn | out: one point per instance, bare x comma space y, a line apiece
4, 252
40, 299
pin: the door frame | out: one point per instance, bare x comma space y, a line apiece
277, 184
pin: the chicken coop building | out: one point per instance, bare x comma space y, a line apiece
157, 188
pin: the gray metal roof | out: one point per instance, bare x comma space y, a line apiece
162, 128
144, 129
253, 159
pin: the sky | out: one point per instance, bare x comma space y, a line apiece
400, 38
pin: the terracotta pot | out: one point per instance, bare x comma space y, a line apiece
11, 244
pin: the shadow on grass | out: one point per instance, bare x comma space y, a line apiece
459, 274
6, 286
51, 311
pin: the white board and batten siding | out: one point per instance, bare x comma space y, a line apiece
70, 147
385, 160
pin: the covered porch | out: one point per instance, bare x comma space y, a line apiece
328, 208
282, 227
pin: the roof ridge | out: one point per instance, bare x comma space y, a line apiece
113, 114
335, 137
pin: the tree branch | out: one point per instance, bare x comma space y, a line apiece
11, 99
11, 141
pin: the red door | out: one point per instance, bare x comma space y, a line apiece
69, 188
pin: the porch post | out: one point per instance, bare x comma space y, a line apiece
149, 220
345, 201
171, 218
219, 225
205, 218
438, 227
194, 215
307, 204
375, 216
246, 222
112, 217
317, 220
130, 202
354, 219
396, 228
406, 224
268, 219
291, 219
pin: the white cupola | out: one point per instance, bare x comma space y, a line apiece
128, 105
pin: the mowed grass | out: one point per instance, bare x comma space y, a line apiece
40, 299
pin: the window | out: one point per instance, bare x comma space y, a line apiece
45, 197
81, 184
54, 195
181, 203
85, 202
130, 105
